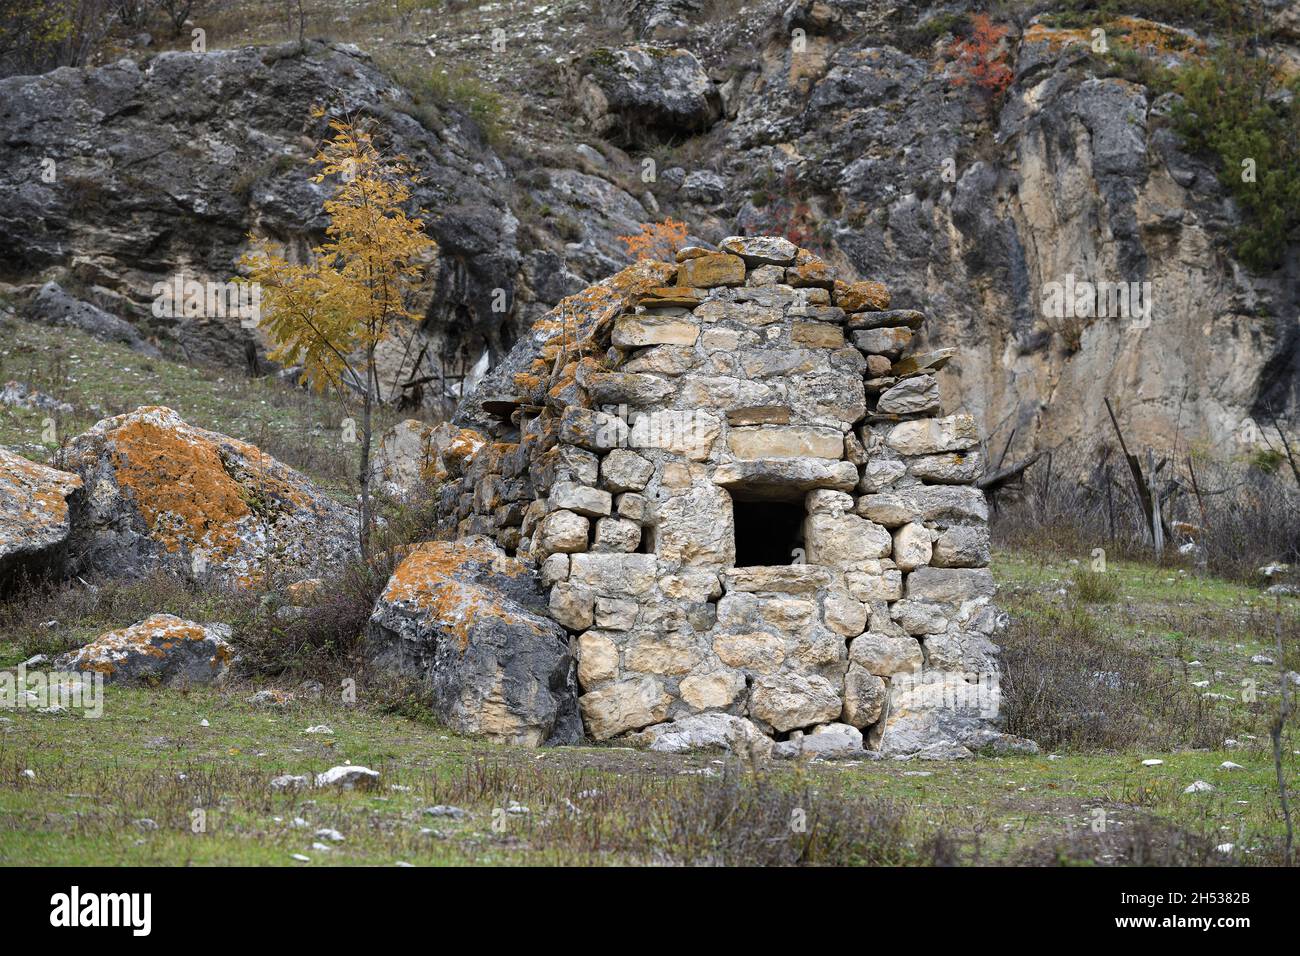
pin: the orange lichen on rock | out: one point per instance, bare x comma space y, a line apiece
180, 486
429, 579
153, 637
33, 502
205, 502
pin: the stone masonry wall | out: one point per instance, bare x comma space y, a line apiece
646, 409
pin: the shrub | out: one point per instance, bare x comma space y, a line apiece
1068, 683
656, 240
1094, 587
1234, 106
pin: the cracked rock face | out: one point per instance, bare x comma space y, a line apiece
160, 650
645, 94
161, 493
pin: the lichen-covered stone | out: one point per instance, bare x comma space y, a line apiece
34, 516
760, 250
861, 296
471, 624
713, 269
160, 650
160, 492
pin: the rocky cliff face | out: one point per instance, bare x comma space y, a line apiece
847, 123
120, 177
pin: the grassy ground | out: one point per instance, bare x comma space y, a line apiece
100, 379
150, 758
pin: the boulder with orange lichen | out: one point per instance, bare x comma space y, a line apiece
36, 505
160, 650
161, 493
471, 624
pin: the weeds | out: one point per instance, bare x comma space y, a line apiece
1069, 683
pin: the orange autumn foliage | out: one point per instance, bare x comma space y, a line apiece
980, 60
656, 240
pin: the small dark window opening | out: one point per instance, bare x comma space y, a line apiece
767, 532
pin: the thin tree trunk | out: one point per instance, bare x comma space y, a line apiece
364, 477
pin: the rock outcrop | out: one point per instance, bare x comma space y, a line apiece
160, 650
161, 493
53, 306
470, 623
35, 513
162, 167
642, 95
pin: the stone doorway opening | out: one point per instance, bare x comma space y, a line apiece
768, 532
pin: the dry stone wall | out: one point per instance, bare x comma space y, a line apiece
741, 493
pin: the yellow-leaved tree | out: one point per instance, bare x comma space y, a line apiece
331, 313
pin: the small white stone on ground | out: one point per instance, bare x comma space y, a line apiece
1199, 786
300, 858
1229, 765
1152, 763
325, 833
320, 729
348, 777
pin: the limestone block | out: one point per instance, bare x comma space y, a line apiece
636, 331
713, 691
631, 506
696, 527
622, 706
911, 396
572, 605
580, 499
788, 701
843, 540
934, 435
861, 296
885, 584
784, 579
662, 654
949, 468
613, 575
919, 617
779, 476
712, 269
563, 531
864, 697
754, 651
612, 614
949, 585
843, 613
886, 654
962, 546
890, 342
624, 470
786, 441
760, 250
912, 546
616, 534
